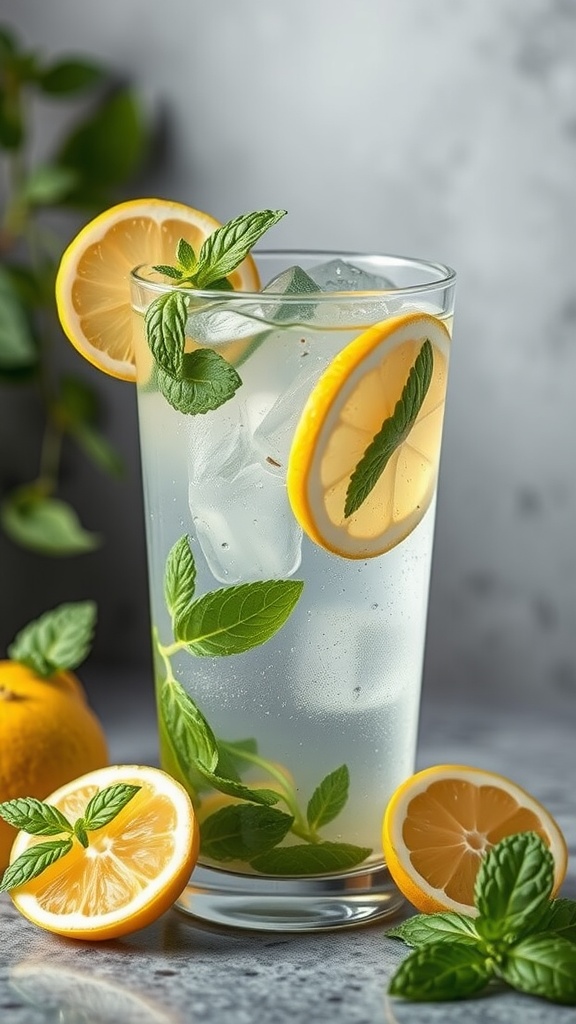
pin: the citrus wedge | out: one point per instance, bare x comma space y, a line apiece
133, 868
357, 392
441, 821
92, 284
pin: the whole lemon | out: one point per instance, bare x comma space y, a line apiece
48, 736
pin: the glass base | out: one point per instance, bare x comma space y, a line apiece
291, 905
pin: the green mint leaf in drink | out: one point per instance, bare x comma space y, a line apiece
165, 322
232, 757
35, 817
107, 804
328, 798
264, 796
203, 382
168, 271
441, 970
392, 433
235, 619
179, 578
243, 831
33, 862
422, 929
185, 255
311, 859
59, 640
543, 965
226, 247
560, 918
513, 887
192, 741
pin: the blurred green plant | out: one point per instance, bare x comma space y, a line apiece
93, 160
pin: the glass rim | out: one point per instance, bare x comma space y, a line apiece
446, 277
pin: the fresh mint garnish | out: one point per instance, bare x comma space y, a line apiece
179, 578
519, 936
41, 819
311, 859
60, 639
243, 831
226, 247
329, 798
392, 433
191, 738
165, 322
203, 383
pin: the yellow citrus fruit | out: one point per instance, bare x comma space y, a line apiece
440, 822
133, 868
93, 285
48, 735
346, 409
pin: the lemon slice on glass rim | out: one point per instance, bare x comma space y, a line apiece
345, 410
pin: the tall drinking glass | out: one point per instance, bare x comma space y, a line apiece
289, 465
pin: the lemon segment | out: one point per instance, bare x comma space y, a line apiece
345, 410
440, 822
93, 282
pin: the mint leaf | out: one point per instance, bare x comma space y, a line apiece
235, 619
543, 965
263, 796
80, 832
328, 798
441, 970
425, 928
168, 271
560, 918
311, 859
33, 862
165, 322
203, 382
49, 526
191, 738
242, 831
179, 578
226, 247
513, 886
70, 76
230, 759
392, 433
34, 817
107, 804
17, 347
185, 255
60, 639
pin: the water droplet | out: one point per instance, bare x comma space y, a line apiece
225, 545
374, 606
356, 692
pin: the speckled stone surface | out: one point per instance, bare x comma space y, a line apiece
175, 972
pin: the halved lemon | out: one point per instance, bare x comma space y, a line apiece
133, 869
92, 284
344, 412
440, 822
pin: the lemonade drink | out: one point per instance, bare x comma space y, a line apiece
288, 698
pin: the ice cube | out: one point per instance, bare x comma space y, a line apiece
218, 442
245, 526
340, 276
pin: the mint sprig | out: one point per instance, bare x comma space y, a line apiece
42, 819
59, 640
519, 935
392, 433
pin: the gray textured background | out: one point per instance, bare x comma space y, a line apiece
439, 128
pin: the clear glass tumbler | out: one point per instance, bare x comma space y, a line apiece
290, 451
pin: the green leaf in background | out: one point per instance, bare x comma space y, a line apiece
392, 433
328, 798
8, 44
543, 965
48, 184
34, 817
165, 330
179, 578
425, 928
33, 862
189, 734
513, 886
561, 919
311, 859
60, 639
26, 284
106, 149
70, 76
107, 804
98, 449
205, 382
48, 526
242, 831
235, 619
441, 970
17, 348
226, 247
78, 409
11, 124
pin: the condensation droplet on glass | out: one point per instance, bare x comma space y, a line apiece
224, 545
356, 692
374, 606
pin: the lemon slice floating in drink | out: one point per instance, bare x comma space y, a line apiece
440, 822
133, 869
93, 287
358, 391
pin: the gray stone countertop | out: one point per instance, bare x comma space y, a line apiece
175, 972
